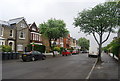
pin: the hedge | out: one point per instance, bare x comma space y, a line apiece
40, 48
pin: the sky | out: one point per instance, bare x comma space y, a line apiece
40, 11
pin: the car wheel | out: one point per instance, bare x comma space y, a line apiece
62, 55
43, 58
66, 54
33, 58
24, 60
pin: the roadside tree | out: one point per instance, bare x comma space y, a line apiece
53, 29
84, 44
101, 19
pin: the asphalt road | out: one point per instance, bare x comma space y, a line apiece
62, 67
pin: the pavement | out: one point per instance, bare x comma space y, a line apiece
108, 69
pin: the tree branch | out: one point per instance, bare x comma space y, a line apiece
107, 37
95, 38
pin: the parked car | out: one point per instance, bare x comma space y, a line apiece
84, 52
74, 52
94, 55
66, 52
33, 56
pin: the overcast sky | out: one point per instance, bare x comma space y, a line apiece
41, 10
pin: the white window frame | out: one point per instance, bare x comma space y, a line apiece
22, 25
12, 33
33, 36
20, 35
2, 41
33, 29
1, 31
12, 44
19, 47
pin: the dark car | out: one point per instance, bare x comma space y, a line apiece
33, 56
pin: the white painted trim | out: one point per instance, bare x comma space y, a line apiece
12, 32
2, 31
35, 33
2, 41
12, 44
20, 34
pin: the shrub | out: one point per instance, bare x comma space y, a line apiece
56, 49
6, 48
40, 48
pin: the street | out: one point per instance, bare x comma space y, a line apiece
62, 67
67, 67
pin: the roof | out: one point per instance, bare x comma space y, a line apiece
15, 21
4, 23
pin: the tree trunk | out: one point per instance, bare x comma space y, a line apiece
51, 47
100, 50
50, 44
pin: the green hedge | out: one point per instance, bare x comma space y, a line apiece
40, 48
56, 49
6, 48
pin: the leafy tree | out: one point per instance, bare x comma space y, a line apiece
53, 29
113, 47
98, 20
84, 44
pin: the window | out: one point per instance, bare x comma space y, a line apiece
11, 33
2, 42
22, 25
1, 31
33, 36
33, 29
19, 47
22, 35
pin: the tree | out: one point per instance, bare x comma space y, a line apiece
83, 43
98, 20
53, 29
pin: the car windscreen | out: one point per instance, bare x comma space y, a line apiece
36, 52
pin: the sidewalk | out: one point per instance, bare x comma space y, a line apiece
106, 70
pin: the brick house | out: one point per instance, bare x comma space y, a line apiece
15, 33
35, 36
72, 42
66, 42
7, 34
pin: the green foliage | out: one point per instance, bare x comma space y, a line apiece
71, 49
53, 29
98, 20
84, 44
113, 47
6, 48
102, 17
40, 48
56, 49
61, 49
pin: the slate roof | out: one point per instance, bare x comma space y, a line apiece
15, 21
4, 23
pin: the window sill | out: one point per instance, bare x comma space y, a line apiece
22, 38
